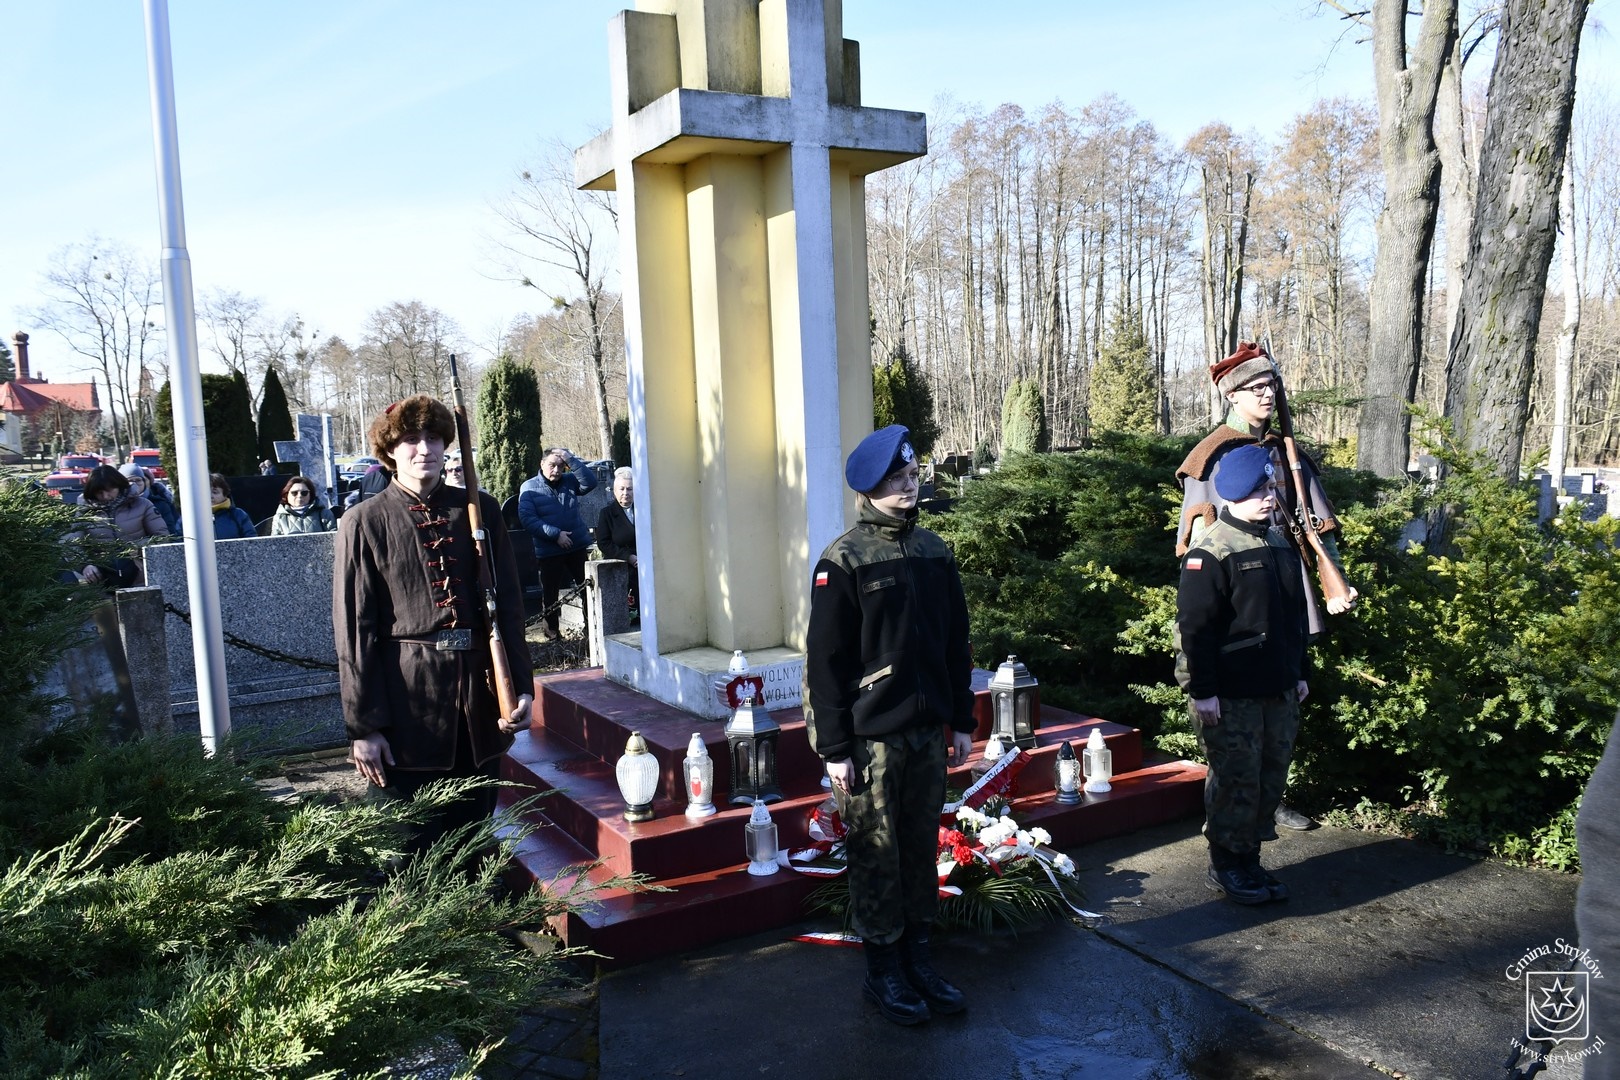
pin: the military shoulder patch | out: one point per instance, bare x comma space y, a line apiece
821, 578
1196, 562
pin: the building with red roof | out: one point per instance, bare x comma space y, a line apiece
33, 410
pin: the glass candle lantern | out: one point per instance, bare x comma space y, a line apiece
751, 738
1015, 704
1099, 764
1067, 780
697, 768
637, 773
760, 835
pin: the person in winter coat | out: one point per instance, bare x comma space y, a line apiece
231, 522
548, 507
141, 483
123, 515
301, 510
887, 670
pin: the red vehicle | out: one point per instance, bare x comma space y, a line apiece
67, 486
151, 461
79, 463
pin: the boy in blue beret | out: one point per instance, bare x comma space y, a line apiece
1240, 639
887, 671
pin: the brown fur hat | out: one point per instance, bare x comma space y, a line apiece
1249, 360
417, 413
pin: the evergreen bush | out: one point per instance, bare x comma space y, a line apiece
900, 395
161, 915
1467, 697
275, 417
1023, 419
1124, 394
508, 427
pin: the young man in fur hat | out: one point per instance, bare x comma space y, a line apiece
1248, 379
1240, 638
412, 644
887, 671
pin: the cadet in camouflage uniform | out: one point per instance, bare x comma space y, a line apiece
886, 671
1241, 637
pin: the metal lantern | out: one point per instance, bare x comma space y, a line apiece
698, 770
1067, 780
1099, 764
637, 772
760, 835
1016, 704
751, 737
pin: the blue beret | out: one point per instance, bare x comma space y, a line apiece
878, 455
1242, 470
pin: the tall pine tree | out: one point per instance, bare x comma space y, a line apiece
8, 370
1124, 396
901, 396
508, 427
275, 418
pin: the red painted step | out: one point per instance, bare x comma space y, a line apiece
583, 722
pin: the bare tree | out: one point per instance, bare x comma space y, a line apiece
100, 301
550, 222
1510, 242
406, 349
1227, 170
235, 325
1408, 85
1564, 363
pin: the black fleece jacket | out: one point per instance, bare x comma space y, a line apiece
888, 639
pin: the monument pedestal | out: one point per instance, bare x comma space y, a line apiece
582, 722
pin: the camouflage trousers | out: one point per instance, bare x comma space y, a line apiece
1248, 754
893, 818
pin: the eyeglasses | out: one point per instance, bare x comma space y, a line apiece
300, 493
902, 480
1269, 386
453, 468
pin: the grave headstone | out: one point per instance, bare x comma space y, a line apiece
312, 452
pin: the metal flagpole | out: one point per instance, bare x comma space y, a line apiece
190, 444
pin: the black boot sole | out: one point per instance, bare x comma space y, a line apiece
903, 1019
1247, 900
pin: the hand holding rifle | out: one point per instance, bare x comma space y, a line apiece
1304, 525
514, 707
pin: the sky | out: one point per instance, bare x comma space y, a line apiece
340, 155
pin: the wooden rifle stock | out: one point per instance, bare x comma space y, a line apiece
1305, 525
500, 664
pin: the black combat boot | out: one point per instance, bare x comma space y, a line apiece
916, 961
1228, 875
1277, 889
888, 988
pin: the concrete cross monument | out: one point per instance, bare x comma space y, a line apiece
738, 150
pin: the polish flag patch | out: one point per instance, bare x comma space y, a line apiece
1195, 563
821, 578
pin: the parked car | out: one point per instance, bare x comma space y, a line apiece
354, 470
67, 486
79, 463
151, 461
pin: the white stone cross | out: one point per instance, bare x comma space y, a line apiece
738, 151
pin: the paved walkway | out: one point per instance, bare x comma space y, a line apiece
1389, 961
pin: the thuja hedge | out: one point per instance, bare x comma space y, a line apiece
1468, 697
160, 915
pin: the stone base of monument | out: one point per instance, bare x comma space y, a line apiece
583, 722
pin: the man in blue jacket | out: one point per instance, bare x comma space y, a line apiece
548, 507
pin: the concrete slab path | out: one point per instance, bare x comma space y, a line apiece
1390, 960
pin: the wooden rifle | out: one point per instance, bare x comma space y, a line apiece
1303, 524
500, 664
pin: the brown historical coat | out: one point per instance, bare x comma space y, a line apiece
407, 569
